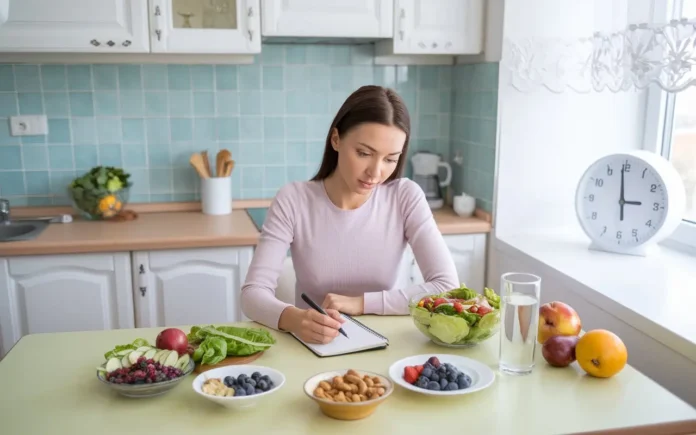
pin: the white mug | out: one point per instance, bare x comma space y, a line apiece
464, 205
216, 195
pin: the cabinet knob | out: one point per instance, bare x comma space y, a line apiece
159, 34
126, 43
421, 44
434, 44
158, 11
111, 43
95, 42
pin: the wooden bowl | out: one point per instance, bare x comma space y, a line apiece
346, 410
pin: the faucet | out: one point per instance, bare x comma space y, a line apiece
4, 211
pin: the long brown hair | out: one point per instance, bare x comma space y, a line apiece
367, 104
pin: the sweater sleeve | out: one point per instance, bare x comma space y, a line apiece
258, 299
429, 248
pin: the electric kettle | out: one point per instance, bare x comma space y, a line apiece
426, 169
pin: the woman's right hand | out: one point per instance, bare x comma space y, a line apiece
310, 325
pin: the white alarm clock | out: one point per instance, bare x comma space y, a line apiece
628, 202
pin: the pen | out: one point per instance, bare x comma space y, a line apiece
318, 308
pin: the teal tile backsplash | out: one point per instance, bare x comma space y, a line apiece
273, 115
473, 134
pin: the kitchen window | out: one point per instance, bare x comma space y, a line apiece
671, 131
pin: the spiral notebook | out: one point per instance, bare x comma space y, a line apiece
360, 338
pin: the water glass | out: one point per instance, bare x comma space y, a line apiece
519, 313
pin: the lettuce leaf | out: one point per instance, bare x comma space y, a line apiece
216, 341
463, 293
492, 298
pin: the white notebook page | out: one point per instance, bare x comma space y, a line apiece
358, 339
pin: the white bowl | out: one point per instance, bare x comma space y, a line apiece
238, 402
481, 375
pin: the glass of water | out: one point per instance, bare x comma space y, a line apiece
519, 313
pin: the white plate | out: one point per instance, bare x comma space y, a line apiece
481, 375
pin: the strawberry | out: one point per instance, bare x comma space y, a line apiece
458, 307
483, 310
439, 301
419, 369
410, 374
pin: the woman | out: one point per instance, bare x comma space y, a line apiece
347, 227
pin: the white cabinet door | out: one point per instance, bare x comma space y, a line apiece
469, 255
205, 26
60, 293
189, 286
445, 27
100, 26
327, 18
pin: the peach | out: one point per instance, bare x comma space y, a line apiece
557, 318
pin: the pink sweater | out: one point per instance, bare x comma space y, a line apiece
348, 252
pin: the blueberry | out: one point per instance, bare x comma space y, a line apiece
249, 389
434, 377
422, 378
262, 385
452, 377
255, 376
427, 373
242, 378
270, 385
251, 382
229, 381
239, 392
258, 391
442, 370
443, 383
264, 378
435, 386
452, 386
422, 383
428, 366
464, 381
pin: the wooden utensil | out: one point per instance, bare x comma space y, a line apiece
206, 162
197, 162
223, 156
229, 165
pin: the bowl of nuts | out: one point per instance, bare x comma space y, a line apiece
348, 394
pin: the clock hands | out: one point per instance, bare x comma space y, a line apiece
622, 200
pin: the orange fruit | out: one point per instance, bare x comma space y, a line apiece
601, 353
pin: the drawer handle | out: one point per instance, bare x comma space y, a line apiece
111, 43
250, 23
95, 42
159, 34
402, 20
126, 43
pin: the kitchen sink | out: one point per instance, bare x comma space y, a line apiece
21, 230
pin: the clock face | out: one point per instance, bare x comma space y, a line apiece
621, 202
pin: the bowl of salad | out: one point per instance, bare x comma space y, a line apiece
460, 317
100, 193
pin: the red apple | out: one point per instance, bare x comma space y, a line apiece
172, 339
557, 318
559, 350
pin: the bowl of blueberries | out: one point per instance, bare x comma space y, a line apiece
238, 386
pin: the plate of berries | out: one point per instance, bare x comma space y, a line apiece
441, 374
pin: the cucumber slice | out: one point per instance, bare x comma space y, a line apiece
125, 362
150, 353
183, 362
158, 354
143, 349
113, 364
172, 358
124, 352
102, 369
133, 356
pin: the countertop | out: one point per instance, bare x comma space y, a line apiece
48, 385
174, 226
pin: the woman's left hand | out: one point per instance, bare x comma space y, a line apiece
352, 305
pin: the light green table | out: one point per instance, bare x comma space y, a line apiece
48, 385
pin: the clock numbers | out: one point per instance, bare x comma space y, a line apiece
626, 167
591, 197
609, 170
599, 182
653, 188
648, 223
594, 215
644, 171
656, 206
618, 234
604, 231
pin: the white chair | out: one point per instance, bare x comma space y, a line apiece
285, 289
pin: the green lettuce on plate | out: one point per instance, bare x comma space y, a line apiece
215, 343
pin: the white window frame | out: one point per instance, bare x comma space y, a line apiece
659, 114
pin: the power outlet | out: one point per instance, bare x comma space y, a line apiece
30, 125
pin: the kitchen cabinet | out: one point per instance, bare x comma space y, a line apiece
189, 286
96, 26
60, 293
435, 27
469, 255
205, 26
327, 18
